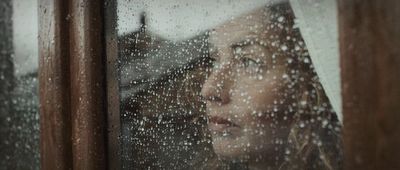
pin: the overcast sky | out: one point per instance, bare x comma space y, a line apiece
25, 35
181, 19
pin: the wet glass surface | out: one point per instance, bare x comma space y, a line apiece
19, 116
227, 85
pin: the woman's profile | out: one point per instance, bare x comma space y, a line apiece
265, 104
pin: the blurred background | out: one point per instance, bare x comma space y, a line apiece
19, 117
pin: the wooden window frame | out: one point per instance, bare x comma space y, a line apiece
370, 69
72, 85
79, 102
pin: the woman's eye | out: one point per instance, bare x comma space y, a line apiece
247, 62
214, 63
250, 63
247, 59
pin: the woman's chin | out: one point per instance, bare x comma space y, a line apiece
242, 147
230, 147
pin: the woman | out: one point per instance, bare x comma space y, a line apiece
266, 107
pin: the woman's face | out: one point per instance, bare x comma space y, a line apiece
248, 91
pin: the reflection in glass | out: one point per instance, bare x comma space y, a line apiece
163, 122
241, 94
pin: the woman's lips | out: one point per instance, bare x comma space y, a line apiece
221, 121
222, 127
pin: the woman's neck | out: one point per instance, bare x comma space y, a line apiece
264, 165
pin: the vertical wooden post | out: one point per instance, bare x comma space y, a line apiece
54, 84
88, 90
113, 103
370, 61
72, 85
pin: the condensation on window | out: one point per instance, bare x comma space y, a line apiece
19, 116
228, 85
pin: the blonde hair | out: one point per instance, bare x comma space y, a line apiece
314, 141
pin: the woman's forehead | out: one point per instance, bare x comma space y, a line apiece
245, 27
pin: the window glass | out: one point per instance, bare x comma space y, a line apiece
19, 117
228, 85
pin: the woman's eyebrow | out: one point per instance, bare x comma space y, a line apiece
245, 42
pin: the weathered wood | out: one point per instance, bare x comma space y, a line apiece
113, 97
55, 118
88, 90
370, 63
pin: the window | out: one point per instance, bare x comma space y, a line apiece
263, 84
228, 84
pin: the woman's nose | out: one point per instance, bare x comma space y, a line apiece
217, 86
